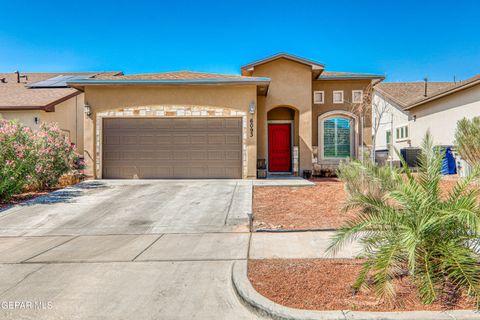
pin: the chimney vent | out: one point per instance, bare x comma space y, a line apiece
426, 84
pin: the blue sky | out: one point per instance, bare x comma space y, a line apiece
406, 40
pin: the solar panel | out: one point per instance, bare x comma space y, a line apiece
58, 81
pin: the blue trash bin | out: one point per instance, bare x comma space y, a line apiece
449, 165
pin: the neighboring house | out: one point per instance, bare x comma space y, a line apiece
284, 109
415, 112
33, 98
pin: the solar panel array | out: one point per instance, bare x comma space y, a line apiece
58, 81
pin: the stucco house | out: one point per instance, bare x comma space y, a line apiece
285, 110
33, 98
415, 107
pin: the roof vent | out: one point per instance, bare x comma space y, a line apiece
20, 76
426, 84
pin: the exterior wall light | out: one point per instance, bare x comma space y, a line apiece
251, 107
87, 109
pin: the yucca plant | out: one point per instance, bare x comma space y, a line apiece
413, 230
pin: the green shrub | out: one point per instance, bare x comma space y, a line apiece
467, 140
56, 155
412, 230
33, 160
17, 158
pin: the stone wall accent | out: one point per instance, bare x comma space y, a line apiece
295, 160
166, 112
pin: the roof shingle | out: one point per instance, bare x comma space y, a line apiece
17, 96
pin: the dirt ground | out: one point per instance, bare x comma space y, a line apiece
299, 208
314, 284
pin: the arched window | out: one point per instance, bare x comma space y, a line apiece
337, 137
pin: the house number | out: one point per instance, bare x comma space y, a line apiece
251, 127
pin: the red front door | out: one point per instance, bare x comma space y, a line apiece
279, 148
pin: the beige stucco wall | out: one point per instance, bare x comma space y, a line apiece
328, 86
102, 99
68, 115
440, 116
291, 85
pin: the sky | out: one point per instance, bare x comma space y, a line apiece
403, 39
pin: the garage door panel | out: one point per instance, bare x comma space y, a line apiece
172, 148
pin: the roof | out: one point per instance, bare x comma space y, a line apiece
179, 78
315, 65
458, 86
406, 93
329, 75
17, 96
176, 75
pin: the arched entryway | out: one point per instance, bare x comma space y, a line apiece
282, 124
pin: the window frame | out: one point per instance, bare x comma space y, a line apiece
361, 96
404, 131
351, 137
314, 97
333, 97
388, 136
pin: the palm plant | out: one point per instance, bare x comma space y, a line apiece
413, 230
467, 140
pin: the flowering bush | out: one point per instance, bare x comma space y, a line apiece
55, 154
33, 159
17, 158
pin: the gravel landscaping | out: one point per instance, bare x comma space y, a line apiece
320, 284
300, 208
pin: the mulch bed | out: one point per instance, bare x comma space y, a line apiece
320, 284
300, 208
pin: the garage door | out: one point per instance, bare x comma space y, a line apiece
149, 148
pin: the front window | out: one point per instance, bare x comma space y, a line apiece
357, 96
402, 133
336, 138
338, 96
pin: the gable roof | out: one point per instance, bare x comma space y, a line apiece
462, 85
406, 93
315, 65
176, 75
17, 96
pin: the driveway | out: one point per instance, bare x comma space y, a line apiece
145, 249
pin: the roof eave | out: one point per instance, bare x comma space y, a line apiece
49, 107
372, 77
169, 83
443, 94
313, 64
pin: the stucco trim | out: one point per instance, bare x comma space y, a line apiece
169, 112
354, 132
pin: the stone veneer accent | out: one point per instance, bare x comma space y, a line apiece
173, 112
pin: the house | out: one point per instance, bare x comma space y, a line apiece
285, 110
415, 107
33, 98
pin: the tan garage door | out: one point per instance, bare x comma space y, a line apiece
149, 148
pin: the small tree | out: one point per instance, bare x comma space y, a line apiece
375, 109
467, 140
409, 229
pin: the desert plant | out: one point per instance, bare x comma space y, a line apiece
17, 158
56, 155
364, 177
467, 140
413, 230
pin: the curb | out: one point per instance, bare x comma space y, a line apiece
296, 230
264, 306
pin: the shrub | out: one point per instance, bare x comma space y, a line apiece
412, 230
17, 158
56, 155
33, 160
467, 140
364, 177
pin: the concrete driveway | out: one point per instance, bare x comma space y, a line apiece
148, 249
